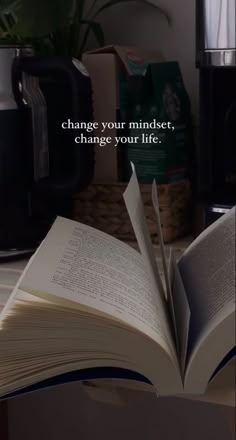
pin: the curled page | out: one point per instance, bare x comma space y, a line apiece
181, 312
134, 205
160, 237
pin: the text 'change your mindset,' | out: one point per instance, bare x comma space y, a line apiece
144, 138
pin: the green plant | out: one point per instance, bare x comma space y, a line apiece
57, 26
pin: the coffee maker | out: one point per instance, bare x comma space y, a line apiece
215, 183
41, 166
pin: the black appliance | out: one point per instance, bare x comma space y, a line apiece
41, 166
215, 184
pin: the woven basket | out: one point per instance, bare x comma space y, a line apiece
102, 206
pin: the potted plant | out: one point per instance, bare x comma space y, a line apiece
57, 26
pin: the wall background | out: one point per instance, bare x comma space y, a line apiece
137, 25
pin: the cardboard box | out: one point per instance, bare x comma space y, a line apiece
108, 68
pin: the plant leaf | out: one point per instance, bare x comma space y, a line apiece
79, 12
42, 17
91, 8
9, 6
96, 28
7, 21
112, 3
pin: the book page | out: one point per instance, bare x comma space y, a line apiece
135, 208
207, 269
80, 267
180, 310
161, 240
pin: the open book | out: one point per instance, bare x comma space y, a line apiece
87, 300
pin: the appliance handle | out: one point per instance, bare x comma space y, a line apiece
41, 66
229, 138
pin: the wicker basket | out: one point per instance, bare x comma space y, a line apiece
102, 206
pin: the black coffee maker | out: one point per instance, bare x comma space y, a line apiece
215, 185
41, 166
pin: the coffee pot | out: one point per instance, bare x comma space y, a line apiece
215, 182
41, 166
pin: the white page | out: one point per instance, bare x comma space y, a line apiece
79, 266
135, 208
134, 205
181, 311
171, 275
160, 237
207, 269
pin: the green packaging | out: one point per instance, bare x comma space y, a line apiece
160, 121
